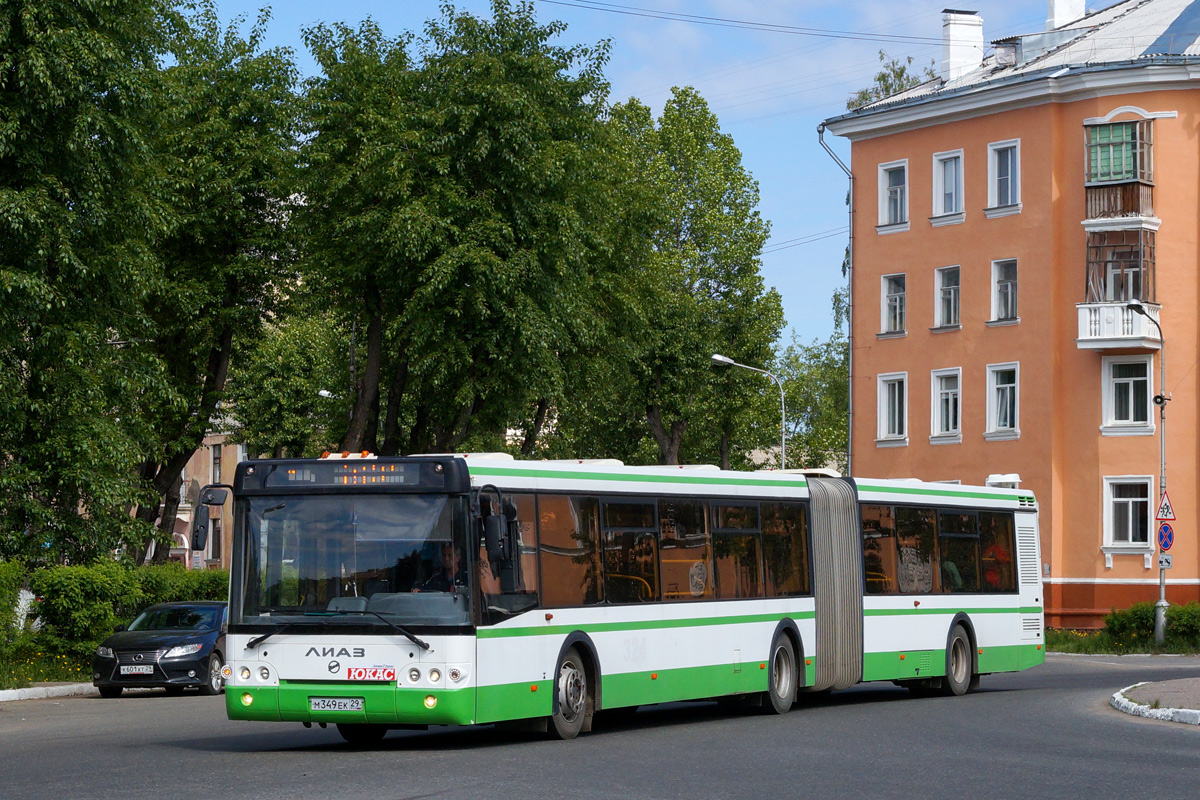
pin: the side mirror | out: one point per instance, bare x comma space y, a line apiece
494, 541
118, 628
209, 495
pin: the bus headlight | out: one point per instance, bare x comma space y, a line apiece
226, 672
414, 675
264, 673
435, 675
245, 673
430, 701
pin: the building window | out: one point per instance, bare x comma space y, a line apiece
1120, 266
1004, 290
947, 299
1127, 511
1127, 392
893, 408
1004, 174
893, 304
893, 193
1120, 152
945, 413
1002, 401
947, 183
216, 463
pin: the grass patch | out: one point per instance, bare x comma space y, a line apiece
20, 671
1102, 642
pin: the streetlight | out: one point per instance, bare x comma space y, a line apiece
1160, 400
726, 361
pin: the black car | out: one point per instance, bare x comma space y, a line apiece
170, 645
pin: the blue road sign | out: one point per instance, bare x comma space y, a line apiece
1166, 536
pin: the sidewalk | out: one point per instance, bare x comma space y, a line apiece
1173, 701
40, 691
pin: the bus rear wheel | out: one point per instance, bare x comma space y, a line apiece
572, 698
361, 732
782, 691
958, 665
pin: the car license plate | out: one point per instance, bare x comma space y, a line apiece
335, 704
137, 669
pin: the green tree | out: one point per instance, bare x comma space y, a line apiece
78, 89
451, 211
227, 142
816, 385
702, 289
894, 77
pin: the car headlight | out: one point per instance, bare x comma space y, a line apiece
184, 650
104, 652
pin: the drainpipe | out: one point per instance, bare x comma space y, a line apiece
849, 306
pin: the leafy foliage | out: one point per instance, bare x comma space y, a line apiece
894, 77
817, 380
77, 195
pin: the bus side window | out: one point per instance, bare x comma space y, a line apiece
568, 529
736, 546
879, 549
996, 545
685, 551
785, 549
958, 551
630, 551
916, 534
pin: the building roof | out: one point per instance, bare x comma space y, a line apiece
1129, 34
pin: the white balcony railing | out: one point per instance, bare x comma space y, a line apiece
1109, 325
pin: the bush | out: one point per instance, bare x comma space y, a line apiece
1132, 624
170, 582
1183, 624
79, 604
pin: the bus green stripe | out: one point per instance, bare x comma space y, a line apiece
901, 612
637, 477
649, 624
868, 487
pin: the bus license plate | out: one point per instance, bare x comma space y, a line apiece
137, 669
335, 704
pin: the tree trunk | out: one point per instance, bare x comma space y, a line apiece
668, 440
391, 422
367, 390
535, 430
166, 524
725, 446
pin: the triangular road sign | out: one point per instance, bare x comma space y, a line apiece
1165, 512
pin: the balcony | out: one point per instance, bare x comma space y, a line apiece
1106, 326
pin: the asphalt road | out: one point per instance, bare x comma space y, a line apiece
1044, 733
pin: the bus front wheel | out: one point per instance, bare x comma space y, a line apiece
572, 698
782, 690
958, 665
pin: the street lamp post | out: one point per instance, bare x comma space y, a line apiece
725, 360
1160, 400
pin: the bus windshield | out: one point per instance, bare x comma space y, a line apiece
354, 558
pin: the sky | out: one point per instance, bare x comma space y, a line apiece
769, 84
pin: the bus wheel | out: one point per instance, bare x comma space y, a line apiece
362, 733
572, 698
958, 664
782, 691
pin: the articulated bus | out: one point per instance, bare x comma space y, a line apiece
398, 593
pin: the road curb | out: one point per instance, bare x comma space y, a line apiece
42, 692
1122, 703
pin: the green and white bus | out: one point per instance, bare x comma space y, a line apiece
398, 593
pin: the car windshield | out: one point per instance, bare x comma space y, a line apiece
348, 558
177, 618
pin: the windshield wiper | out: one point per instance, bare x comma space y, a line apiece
257, 640
339, 611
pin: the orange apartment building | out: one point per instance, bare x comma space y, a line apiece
1004, 218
